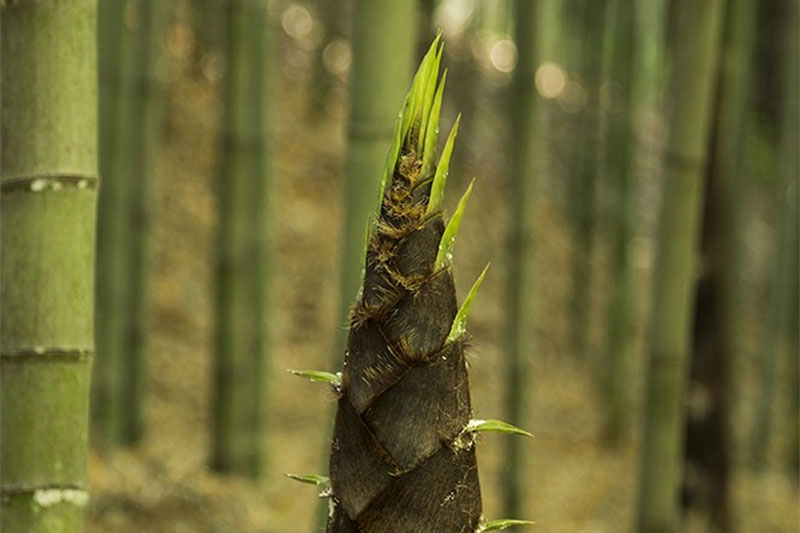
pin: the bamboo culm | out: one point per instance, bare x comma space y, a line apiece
525, 113
689, 120
48, 164
241, 362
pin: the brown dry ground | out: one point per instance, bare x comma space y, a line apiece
162, 485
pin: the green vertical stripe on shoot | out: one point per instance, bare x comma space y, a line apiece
459, 326
427, 98
444, 257
432, 130
442, 170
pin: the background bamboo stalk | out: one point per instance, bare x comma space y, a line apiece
619, 159
241, 351
112, 226
583, 199
693, 79
525, 123
781, 327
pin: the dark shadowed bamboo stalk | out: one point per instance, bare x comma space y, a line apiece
239, 376
48, 163
140, 173
129, 118
780, 330
619, 159
113, 39
693, 82
715, 335
583, 200
524, 118
333, 18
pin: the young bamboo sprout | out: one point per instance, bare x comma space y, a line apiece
403, 455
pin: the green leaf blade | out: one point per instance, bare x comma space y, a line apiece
477, 425
504, 523
432, 129
414, 100
319, 376
442, 171
311, 479
428, 97
459, 326
444, 256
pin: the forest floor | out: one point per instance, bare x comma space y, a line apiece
575, 484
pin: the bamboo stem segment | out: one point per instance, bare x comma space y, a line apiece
47, 229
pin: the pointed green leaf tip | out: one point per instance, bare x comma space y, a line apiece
442, 170
459, 326
313, 479
444, 257
495, 425
503, 523
319, 376
432, 129
411, 114
412, 111
428, 98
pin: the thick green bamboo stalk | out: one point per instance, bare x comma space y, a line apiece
48, 162
619, 159
383, 42
779, 331
239, 377
583, 199
693, 81
524, 118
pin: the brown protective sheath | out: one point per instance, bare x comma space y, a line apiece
400, 460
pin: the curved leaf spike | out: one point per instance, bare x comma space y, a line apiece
432, 130
319, 376
444, 257
442, 170
313, 479
503, 523
477, 425
428, 97
414, 99
459, 326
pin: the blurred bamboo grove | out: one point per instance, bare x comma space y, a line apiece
636, 167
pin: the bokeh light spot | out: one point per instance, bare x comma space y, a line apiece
297, 21
550, 80
337, 57
503, 55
